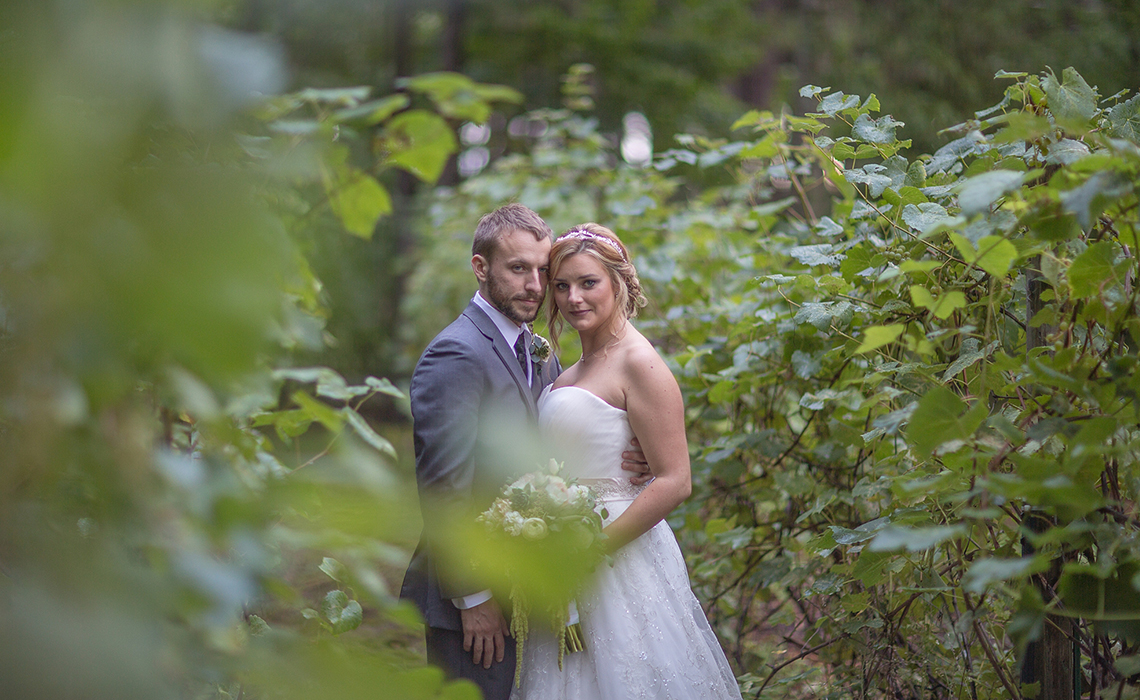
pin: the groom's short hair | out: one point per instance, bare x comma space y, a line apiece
509, 217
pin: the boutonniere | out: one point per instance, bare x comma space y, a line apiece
539, 348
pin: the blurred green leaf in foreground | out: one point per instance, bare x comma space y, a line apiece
168, 500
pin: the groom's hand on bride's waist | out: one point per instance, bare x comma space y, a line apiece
484, 633
633, 460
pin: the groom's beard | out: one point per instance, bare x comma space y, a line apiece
509, 305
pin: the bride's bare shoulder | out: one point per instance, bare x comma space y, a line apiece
644, 367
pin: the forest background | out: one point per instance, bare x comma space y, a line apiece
210, 300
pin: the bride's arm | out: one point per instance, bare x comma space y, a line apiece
657, 416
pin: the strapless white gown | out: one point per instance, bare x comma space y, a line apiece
646, 635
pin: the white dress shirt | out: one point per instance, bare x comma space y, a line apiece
508, 328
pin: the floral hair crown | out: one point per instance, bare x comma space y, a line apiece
584, 235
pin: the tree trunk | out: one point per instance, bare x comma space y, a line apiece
402, 38
1049, 660
451, 49
394, 241
453, 57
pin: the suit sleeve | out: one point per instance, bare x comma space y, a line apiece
446, 394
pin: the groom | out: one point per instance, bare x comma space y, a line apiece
477, 383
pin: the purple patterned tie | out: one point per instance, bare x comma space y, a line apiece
520, 351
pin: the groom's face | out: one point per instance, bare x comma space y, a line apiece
514, 278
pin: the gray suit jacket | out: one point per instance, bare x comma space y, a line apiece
473, 413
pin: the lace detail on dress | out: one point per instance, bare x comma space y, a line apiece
612, 489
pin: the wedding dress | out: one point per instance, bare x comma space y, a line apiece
645, 633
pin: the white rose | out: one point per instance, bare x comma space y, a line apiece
513, 524
534, 528
580, 493
557, 490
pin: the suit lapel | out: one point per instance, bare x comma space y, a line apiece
505, 353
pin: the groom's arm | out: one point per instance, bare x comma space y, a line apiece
446, 396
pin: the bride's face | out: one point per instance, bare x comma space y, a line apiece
584, 293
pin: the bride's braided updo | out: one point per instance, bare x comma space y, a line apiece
604, 245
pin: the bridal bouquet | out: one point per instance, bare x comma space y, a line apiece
544, 514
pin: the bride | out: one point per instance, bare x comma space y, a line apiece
646, 635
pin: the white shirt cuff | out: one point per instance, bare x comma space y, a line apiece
469, 601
